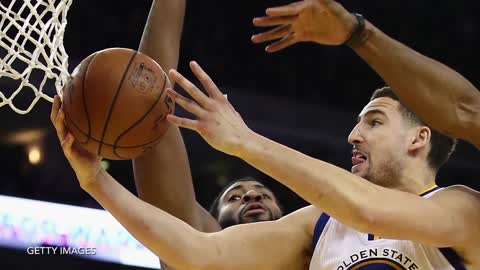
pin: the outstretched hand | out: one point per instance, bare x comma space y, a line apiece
322, 21
85, 164
217, 121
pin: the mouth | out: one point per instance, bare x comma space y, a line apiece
254, 208
358, 158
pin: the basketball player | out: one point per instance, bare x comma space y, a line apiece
162, 175
440, 96
388, 214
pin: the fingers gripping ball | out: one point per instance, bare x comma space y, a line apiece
115, 103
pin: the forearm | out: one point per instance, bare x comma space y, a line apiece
163, 179
164, 173
166, 236
159, 183
162, 32
440, 96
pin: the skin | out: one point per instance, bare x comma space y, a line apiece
235, 203
380, 147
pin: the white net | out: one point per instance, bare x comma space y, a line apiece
32, 55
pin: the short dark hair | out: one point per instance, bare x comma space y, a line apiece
214, 206
441, 146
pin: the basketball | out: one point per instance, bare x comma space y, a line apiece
115, 103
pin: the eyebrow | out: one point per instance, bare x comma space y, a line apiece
240, 186
374, 111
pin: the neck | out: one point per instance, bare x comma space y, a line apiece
416, 179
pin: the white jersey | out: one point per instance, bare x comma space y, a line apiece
339, 247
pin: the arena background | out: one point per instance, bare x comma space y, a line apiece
306, 97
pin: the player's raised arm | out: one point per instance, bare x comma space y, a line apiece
441, 97
179, 244
247, 246
162, 32
162, 175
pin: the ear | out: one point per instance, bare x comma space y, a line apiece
420, 138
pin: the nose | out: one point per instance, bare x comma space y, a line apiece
252, 196
355, 136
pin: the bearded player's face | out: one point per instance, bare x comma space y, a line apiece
247, 202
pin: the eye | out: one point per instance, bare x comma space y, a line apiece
234, 198
376, 122
266, 196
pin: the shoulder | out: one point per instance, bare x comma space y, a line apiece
459, 198
463, 206
459, 192
460, 188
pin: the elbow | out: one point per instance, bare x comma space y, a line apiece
367, 221
184, 253
376, 222
370, 218
194, 262
189, 259
200, 254
471, 128
467, 114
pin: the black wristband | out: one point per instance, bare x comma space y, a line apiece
357, 33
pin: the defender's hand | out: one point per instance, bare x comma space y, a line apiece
322, 21
217, 121
85, 164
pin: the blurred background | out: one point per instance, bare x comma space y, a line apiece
306, 97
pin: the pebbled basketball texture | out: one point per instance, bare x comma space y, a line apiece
115, 103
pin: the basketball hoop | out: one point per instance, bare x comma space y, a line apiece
32, 55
